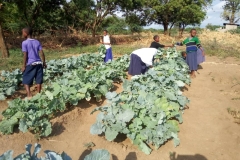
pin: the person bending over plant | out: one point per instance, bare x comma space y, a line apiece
141, 60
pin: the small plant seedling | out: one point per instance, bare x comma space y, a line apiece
89, 145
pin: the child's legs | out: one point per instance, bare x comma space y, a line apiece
191, 60
39, 77
39, 88
28, 76
27, 87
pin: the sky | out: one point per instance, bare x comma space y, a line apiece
213, 15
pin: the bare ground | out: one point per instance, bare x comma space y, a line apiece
208, 132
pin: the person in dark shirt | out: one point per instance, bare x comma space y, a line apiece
156, 44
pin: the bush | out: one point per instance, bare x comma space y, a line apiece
212, 27
234, 31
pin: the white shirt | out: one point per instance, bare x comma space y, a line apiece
106, 39
146, 55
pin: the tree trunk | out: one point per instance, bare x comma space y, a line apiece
93, 32
3, 46
181, 29
232, 17
170, 29
165, 27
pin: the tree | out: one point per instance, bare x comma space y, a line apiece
170, 12
192, 13
135, 23
95, 11
3, 45
231, 11
39, 14
114, 25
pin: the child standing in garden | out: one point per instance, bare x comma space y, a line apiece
192, 45
107, 43
32, 63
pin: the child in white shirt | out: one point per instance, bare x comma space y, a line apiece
107, 43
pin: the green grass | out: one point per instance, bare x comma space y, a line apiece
214, 48
16, 57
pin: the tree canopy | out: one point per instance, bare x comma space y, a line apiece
170, 12
91, 16
231, 11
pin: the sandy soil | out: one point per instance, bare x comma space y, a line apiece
208, 132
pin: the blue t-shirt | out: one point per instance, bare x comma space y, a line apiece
32, 47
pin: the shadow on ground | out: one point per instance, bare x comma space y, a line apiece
187, 157
130, 156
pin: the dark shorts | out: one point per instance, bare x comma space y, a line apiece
33, 72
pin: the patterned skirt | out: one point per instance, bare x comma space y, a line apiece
137, 67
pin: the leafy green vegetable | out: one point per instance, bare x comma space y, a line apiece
102, 51
99, 154
73, 86
9, 82
149, 108
28, 156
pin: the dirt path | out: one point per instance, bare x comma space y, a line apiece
208, 131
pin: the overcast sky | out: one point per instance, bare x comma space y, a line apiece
213, 15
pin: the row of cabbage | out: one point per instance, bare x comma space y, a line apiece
10, 81
51, 155
150, 107
147, 111
57, 96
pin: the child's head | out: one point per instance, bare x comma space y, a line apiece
184, 54
193, 32
156, 38
27, 31
105, 32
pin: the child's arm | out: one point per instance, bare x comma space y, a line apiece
203, 53
179, 43
24, 61
200, 46
169, 45
42, 55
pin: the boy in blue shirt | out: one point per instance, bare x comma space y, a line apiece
32, 63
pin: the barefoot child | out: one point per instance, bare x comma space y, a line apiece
32, 64
192, 45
